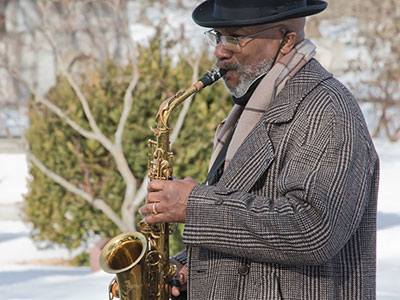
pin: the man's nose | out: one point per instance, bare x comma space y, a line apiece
221, 53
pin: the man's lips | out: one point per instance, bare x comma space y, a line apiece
229, 73
228, 66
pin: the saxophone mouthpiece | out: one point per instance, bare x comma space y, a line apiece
212, 76
223, 72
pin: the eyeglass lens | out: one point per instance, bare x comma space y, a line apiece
229, 42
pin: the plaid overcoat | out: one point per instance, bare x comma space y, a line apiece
294, 214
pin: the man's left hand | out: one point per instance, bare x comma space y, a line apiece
167, 200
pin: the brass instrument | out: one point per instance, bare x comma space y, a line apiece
140, 260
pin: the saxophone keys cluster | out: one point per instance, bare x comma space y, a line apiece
159, 162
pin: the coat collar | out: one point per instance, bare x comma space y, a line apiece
284, 106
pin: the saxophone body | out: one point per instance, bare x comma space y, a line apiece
140, 260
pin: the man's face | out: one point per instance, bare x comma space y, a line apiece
254, 58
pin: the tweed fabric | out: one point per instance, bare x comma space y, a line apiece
293, 216
269, 87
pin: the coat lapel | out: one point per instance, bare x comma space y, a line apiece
250, 161
256, 153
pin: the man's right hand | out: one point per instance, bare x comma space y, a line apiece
181, 277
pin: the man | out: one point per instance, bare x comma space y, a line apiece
289, 208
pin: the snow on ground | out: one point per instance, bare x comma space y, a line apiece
23, 282
12, 186
37, 282
20, 280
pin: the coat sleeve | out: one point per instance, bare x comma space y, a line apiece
181, 257
322, 189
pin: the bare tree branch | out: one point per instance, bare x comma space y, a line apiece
194, 63
128, 102
55, 109
64, 71
186, 105
97, 203
139, 197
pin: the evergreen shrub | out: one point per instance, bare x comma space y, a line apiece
61, 217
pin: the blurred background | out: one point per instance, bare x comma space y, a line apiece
80, 85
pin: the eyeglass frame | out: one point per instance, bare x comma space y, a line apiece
220, 38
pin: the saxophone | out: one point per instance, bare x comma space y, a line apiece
140, 260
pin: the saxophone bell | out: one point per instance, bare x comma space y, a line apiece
123, 256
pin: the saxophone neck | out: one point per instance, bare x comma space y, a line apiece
169, 105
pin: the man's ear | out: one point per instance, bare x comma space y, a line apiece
290, 42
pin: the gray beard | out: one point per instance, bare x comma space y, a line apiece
249, 74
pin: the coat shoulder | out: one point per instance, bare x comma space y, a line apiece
331, 101
332, 95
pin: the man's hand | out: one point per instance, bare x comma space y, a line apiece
181, 276
167, 200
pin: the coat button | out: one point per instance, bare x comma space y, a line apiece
219, 201
244, 270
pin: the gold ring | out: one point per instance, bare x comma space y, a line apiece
154, 209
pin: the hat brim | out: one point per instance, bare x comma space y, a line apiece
203, 15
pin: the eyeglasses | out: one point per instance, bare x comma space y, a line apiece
230, 43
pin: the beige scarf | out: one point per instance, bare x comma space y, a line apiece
270, 86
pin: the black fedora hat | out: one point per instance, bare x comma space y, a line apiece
232, 13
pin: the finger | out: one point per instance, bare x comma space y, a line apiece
154, 210
158, 218
145, 209
153, 197
175, 291
149, 209
155, 185
142, 210
181, 277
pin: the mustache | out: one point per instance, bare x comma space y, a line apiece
226, 65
